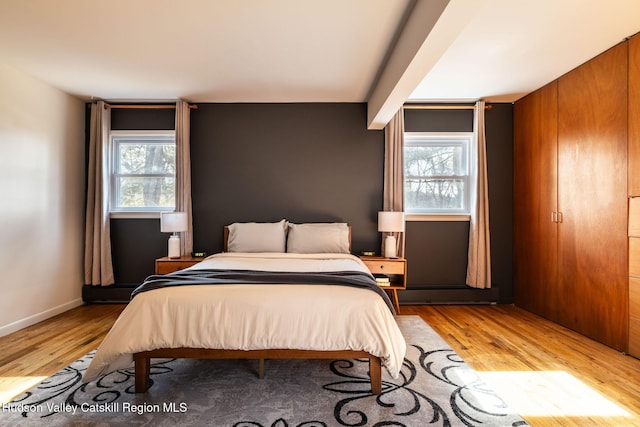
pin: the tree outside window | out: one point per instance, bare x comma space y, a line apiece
436, 173
144, 170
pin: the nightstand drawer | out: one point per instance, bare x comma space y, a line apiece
168, 265
385, 267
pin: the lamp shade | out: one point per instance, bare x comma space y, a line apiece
390, 221
173, 222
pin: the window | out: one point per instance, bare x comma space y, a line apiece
437, 173
143, 171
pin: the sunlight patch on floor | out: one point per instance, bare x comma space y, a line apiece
550, 393
11, 387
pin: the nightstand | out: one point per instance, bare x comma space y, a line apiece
166, 265
395, 268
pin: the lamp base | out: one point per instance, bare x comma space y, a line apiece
174, 246
390, 247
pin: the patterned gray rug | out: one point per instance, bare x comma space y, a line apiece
436, 387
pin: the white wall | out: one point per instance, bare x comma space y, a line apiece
42, 156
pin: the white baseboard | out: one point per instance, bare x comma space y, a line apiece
39, 317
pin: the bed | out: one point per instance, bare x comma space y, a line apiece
304, 297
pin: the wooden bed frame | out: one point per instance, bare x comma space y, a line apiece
143, 359
143, 362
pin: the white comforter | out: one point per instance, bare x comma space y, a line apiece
253, 317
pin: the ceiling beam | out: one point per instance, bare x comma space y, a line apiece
430, 29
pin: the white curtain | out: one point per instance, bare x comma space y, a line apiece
183, 173
98, 266
479, 259
393, 187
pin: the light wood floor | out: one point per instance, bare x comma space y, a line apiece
550, 375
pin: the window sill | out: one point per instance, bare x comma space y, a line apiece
437, 217
134, 215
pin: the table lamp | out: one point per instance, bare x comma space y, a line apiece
173, 222
390, 222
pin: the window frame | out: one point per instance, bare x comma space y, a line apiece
162, 136
468, 141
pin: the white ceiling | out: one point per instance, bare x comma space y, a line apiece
513, 47
202, 50
384, 52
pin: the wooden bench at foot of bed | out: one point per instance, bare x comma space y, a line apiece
143, 363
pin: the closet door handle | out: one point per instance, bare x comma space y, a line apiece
556, 217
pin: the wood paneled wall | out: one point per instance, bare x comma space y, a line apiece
535, 183
634, 194
634, 116
570, 199
592, 196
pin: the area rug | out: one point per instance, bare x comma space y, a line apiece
435, 388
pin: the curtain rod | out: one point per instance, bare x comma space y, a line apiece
145, 106
441, 107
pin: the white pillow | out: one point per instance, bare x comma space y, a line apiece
318, 238
257, 236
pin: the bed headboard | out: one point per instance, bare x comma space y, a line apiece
225, 243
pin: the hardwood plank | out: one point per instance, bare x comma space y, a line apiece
509, 341
494, 340
41, 350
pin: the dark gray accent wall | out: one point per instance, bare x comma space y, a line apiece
448, 120
143, 119
436, 252
263, 162
136, 243
499, 133
301, 162
318, 162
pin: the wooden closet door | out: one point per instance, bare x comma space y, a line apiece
634, 116
592, 196
535, 199
634, 190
